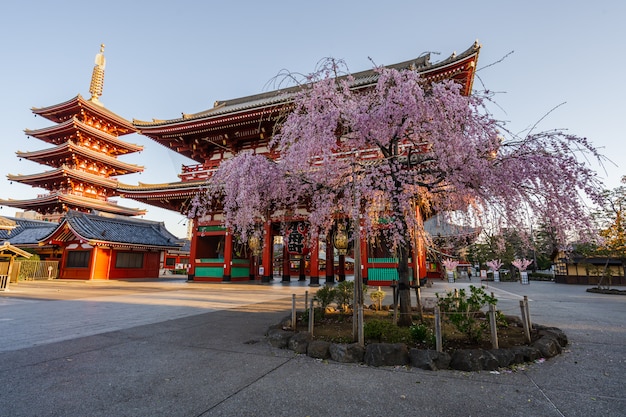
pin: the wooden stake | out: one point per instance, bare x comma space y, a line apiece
494, 326
524, 320
293, 311
530, 324
311, 317
438, 341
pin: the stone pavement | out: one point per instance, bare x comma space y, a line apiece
173, 348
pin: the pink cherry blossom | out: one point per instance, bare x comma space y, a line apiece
399, 147
494, 264
522, 264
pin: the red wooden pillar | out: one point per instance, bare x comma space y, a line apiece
302, 275
253, 266
342, 268
286, 264
314, 265
330, 260
268, 243
191, 273
228, 256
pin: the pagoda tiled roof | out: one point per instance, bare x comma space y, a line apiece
46, 156
76, 105
27, 232
64, 172
107, 229
57, 201
57, 134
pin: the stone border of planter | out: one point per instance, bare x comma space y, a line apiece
614, 291
550, 343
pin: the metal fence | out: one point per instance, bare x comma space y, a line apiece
30, 270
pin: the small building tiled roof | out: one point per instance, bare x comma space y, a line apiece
7, 224
108, 229
27, 232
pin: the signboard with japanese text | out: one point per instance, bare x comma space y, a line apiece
296, 238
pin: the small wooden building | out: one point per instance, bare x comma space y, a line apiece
106, 246
574, 269
8, 253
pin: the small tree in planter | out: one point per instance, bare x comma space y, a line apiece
495, 265
462, 310
325, 296
450, 266
377, 298
522, 264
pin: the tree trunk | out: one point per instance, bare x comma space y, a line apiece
404, 287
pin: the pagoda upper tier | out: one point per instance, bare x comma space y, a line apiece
91, 113
85, 134
59, 202
87, 143
81, 158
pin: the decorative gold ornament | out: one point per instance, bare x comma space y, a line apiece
255, 245
340, 239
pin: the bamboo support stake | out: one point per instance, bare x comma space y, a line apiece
494, 326
306, 300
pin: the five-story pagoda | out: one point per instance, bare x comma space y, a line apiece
86, 139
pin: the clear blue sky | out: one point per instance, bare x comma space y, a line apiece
169, 57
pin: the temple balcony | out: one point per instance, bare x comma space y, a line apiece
198, 171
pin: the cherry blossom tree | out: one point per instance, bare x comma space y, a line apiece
398, 152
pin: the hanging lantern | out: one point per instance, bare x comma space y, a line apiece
255, 245
340, 239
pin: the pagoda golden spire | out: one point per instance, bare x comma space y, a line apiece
97, 76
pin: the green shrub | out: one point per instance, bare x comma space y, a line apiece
421, 333
344, 294
377, 298
325, 296
318, 314
462, 310
386, 332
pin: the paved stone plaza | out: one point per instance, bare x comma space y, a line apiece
173, 348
